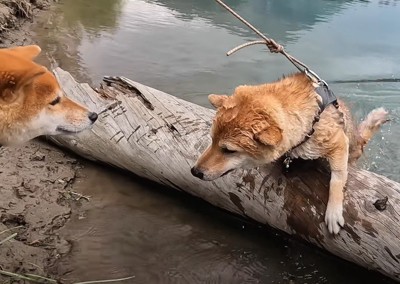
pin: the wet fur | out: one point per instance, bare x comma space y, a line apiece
259, 124
27, 90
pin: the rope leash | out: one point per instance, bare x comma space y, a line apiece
272, 45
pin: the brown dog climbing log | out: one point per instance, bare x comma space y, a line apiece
159, 137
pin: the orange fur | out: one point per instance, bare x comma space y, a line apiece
259, 124
31, 100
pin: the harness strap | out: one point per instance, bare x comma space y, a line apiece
328, 97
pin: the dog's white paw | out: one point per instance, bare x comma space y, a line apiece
334, 217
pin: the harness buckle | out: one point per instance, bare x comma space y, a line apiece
287, 162
309, 134
312, 75
336, 104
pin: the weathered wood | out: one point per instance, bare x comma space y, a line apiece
159, 137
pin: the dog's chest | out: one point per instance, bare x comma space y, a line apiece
307, 151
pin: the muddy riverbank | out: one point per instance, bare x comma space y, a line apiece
35, 201
37, 179
15, 16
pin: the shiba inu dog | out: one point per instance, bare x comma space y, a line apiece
31, 101
260, 124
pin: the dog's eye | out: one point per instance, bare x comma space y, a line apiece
227, 151
56, 101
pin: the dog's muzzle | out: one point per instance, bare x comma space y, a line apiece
197, 173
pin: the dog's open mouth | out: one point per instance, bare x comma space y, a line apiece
227, 172
64, 130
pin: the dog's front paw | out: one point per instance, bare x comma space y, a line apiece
334, 217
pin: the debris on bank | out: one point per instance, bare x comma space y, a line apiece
12, 11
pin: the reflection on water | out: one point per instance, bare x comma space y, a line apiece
101, 17
276, 18
61, 34
179, 46
140, 229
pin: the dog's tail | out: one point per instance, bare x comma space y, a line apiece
372, 123
368, 128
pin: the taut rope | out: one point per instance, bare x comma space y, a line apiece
272, 45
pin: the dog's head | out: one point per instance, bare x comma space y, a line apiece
245, 134
31, 100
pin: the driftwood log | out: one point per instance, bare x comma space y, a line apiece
159, 137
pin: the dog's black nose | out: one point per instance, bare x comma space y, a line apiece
93, 116
197, 173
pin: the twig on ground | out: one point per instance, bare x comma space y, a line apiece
8, 238
79, 195
38, 277
36, 266
10, 229
41, 279
106, 281
22, 277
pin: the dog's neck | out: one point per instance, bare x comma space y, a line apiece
307, 101
298, 123
325, 97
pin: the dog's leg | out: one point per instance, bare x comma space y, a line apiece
338, 162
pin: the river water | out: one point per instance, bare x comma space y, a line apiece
135, 228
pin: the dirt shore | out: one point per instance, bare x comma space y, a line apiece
16, 17
35, 201
36, 180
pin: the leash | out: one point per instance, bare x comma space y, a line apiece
273, 47
328, 97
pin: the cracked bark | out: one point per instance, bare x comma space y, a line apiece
159, 137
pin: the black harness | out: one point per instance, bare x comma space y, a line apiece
328, 97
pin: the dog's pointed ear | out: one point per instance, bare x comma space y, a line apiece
269, 135
28, 52
26, 78
217, 100
13, 82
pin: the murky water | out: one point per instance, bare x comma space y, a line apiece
179, 46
